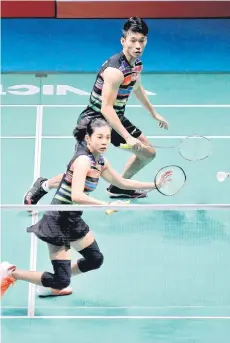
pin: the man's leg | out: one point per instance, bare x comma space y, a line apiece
40, 188
42, 185
135, 163
139, 159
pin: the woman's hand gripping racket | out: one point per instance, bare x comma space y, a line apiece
191, 148
168, 181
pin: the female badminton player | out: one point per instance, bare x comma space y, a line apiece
62, 230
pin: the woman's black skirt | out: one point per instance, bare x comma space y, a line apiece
60, 228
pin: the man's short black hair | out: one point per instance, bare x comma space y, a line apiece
136, 25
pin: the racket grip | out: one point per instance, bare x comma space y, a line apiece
108, 212
125, 146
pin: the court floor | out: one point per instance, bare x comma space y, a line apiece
166, 273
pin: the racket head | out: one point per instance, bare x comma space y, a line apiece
175, 179
195, 148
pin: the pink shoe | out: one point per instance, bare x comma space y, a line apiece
50, 292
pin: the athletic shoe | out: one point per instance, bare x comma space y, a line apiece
35, 193
115, 192
5, 276
50, 292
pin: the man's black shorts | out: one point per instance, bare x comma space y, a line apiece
116, 139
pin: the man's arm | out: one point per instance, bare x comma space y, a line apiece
112, 80
140, 94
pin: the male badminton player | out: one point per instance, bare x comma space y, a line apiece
117, 78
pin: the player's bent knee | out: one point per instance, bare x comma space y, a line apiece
61, 283
91, 263
61, 277
93, 258
149, 154
55, 281
97, 261
152, 154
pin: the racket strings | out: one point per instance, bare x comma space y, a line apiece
195, 148
169, 180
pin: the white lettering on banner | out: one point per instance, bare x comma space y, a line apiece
62, 89
1, 91
46, 90
29, 90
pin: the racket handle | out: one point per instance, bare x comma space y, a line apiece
125, 146
108, 212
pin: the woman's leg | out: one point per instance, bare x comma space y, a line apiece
53, 284
40, 188
92, 256
56, 254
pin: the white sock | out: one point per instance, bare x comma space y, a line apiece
45, 186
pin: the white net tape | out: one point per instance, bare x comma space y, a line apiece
130, 207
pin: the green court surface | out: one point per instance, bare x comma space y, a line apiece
166, 273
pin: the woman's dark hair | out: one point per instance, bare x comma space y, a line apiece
87, 127
136, 25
